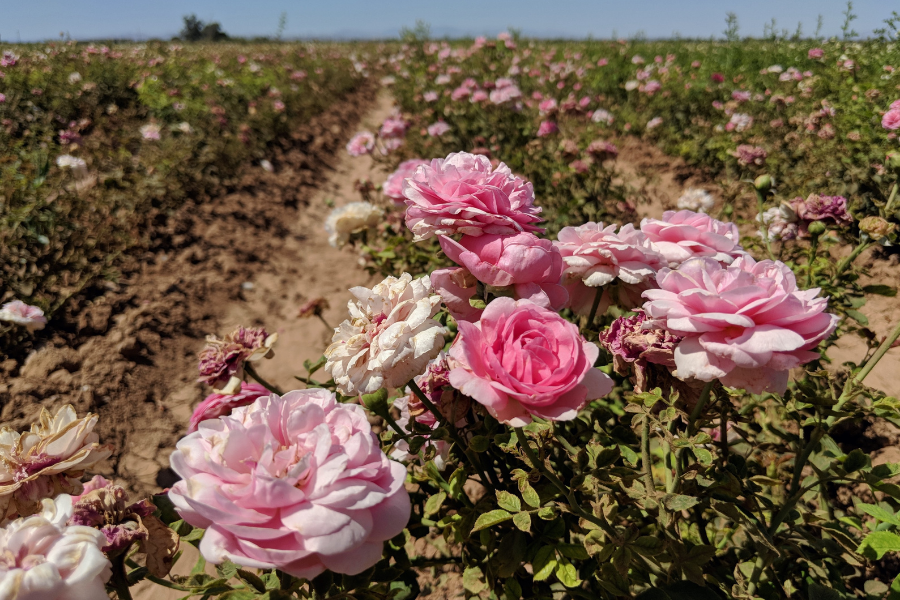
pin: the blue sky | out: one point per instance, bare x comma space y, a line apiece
84, 19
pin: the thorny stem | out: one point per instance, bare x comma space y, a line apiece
692, 421
119, 579
563, 489
845, 262
645, 454
451, 428
324, 322
594, 305
248, 368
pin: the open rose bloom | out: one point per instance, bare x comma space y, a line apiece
295, 482
685, 234
389, 338
530, 266
521, 360
393, 185
30, 317
43, 558
47, 460
746, 324
465, 194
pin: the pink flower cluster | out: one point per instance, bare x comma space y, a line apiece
746, 324
464, 193
295, 482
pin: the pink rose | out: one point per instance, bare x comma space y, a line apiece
464, 193
216, 405
295, 482
532, 265
19, 313
547, 128
685, 234
438, 128
891, 119
393, 186
522, 360
815, 53
746, 324
456, 286
361, 143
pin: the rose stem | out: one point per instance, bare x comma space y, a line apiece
252, 373
451, 428
567, 492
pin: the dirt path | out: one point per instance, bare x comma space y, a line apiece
657, 180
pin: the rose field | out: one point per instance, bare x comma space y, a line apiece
497, 317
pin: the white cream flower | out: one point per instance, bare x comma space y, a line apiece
46, 461
389, 338
40, 557
696, 200
349, 219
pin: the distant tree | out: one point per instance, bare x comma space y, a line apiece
195, 30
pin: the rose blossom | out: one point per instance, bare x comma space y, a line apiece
344, 221
47, 460
435, 384
547, 128
150, 131
595, 254
31, 317
41, 558
456, 286
464, 193
750, 155
393, 185
394, 126
361, 143
533, 266
216, 405
891, 119
438, 129
778, 223
521, 360
684, 234
295, 482
389, 338
635, 349
821, 208
815, 53
602, 116
746, 324
222, 360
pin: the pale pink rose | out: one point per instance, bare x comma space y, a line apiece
651, 87
531, 266
505, 94
894, 105
685, 234
521, 360
295, 482
746, 324
216, 405
547, 106
394, 126
596, 255
46, 559
464, 193
891, 119
815, 53
438, 129
456, 286
547, 128
430, 96
460, 93
361, 143
750, 155
31, 317
393, 186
